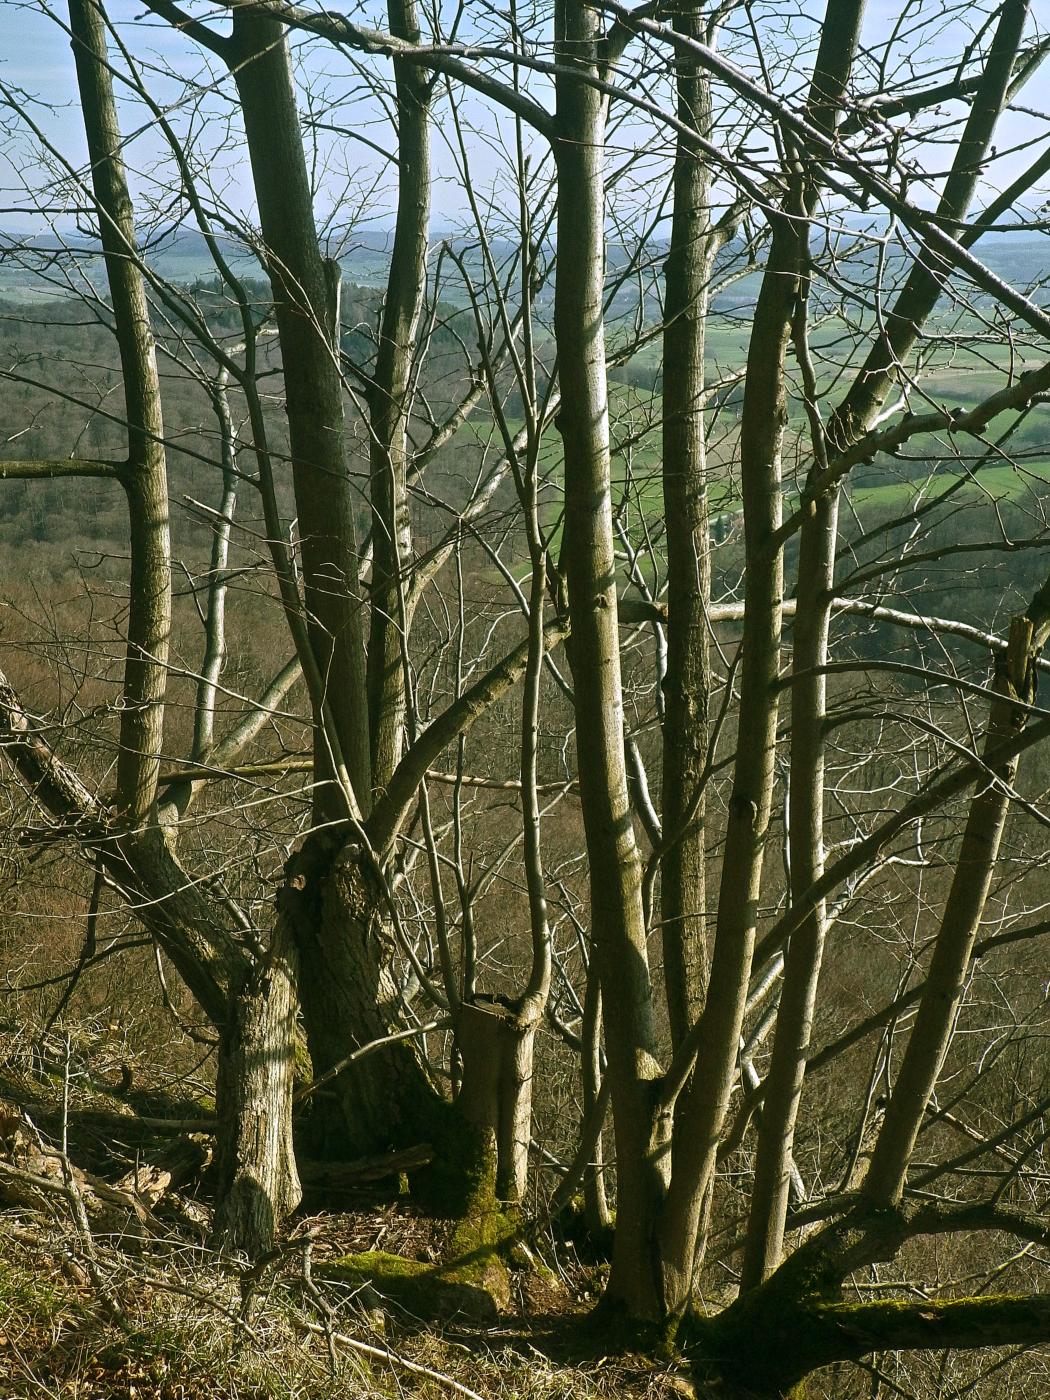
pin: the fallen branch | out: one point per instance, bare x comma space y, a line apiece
345, 1175
393, 1359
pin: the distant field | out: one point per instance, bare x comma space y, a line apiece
965, 360
952, 378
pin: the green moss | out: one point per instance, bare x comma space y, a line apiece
472, 1280
462, 1175
424, 1290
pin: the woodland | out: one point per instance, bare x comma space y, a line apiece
524, 778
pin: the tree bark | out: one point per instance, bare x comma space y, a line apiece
687, 681
946, 979
617, 918
774, 1162
389, 408
349, 998
145, 476
261, 66
257, 1184
495, 1095
596, 1211
925, 282
701, 1112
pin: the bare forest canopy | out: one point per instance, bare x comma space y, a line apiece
524, 768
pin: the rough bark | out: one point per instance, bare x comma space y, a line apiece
256, 1182
349, 998
806, 1318
496, 1044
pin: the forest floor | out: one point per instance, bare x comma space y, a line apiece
108, 1291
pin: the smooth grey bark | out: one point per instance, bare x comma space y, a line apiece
701, 1109
596, 1211
815, 587
687, 679
774, 1164
347, 989
215, 619
617, 919
917, 298
259, 59
931, 1033
145, 474
388, 408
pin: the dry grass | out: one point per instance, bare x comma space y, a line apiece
184, 1333
105, 1318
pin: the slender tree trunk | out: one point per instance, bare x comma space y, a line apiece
215, 621
946, 979
595, 1199
701, 1113
815, 588
774, 1162
774, 1158
261, 65
925, 282
687, 681
617, 920
389, 407
815, 585
145, 478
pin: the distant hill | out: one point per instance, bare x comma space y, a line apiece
46, 265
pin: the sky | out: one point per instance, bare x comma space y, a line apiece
35, 62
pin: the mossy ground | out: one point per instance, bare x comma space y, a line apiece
472, 1279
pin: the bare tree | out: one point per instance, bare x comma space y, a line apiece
890, 806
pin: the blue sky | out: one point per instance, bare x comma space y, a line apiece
35, 58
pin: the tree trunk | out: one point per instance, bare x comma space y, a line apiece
496, 1044
314, 399
596, 1212
964, 909
917, 298
701, 1112
349, 999
774, 1161
687, 682
388, 405
617, 917
145, 476
257, 1185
